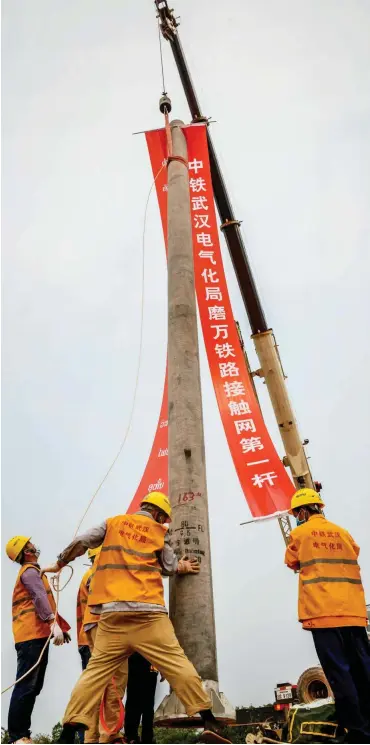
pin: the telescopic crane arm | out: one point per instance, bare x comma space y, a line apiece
229, 224
271, 369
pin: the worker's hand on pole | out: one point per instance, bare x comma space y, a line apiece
52, 569
188, 566
58, 634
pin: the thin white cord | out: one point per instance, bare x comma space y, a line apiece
55, 579
33, 667
138, 364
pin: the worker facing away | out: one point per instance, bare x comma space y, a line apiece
127, 592
82, 640
332, 606
34, 619
141, 687
102, 729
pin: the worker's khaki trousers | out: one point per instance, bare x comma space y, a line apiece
95, 733
120, 634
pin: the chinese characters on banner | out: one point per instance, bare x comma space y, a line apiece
264, 480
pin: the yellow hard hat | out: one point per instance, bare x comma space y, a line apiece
159, 500
303, 497
14, 547
92, 552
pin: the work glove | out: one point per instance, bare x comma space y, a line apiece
67, 637
188, 566
58, 634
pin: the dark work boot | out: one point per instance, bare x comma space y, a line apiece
356, 736
69, 731
211, 729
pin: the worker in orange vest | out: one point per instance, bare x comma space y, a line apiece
34, 619
127, 590
82, 640
332, 606
87, 623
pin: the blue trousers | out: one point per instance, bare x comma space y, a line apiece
141, 686
24, 693
344, 654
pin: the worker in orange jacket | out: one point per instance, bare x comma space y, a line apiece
332, 606
82, 595
34, 619
127, 590
87, 623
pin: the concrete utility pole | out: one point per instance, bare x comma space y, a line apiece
191, 597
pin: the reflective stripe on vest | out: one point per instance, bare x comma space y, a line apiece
315, 580
26, 597
29, 610
131, 551
338, 562
140, 567
125, 572
327, 561
26, 623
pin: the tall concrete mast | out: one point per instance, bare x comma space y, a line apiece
191, 597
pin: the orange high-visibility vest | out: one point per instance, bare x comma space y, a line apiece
90, 617
82, 594
330, 587
26, 623
127, 568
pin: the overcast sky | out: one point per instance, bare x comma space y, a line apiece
288, 83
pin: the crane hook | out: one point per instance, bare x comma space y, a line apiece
165, 104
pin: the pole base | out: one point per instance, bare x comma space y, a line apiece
171, 712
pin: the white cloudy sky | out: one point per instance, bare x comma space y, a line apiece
288, 83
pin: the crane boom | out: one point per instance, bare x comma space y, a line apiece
229, 224
263, 337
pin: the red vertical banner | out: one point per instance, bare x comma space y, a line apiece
263, 478
155, 476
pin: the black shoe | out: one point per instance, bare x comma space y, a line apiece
356, 736
211, 736
69, 731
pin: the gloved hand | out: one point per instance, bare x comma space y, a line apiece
67, 637
58, 634
188, 566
